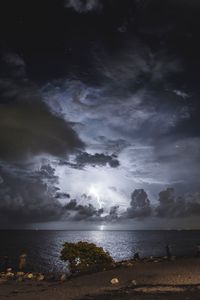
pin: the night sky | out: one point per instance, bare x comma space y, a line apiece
99, 114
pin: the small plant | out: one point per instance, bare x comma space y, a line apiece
85, 257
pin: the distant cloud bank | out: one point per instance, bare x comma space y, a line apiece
82, 6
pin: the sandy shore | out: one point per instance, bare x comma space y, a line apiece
167, 280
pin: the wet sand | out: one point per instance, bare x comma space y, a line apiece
166, 280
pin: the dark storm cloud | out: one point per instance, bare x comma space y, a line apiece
126, 101
172, 206
29, 189
26, 198
83, 6
137, 63
27, 126
143, 97
126, 79
140, 206
113, 214
169, 206
98, 159
16, 66
47, 172
136, 79
78, 212
32, 196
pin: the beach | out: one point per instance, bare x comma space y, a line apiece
148, 280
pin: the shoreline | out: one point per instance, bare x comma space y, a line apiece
142, 279
55, 276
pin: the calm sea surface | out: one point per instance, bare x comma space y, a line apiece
43, 247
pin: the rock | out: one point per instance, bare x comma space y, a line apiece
63, 277
3, 275
114, 281
133, 282
30, 276
40, 277
10, 275
9, 270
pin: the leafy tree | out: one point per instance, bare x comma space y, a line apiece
85, 257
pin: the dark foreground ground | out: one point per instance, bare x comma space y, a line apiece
166, 280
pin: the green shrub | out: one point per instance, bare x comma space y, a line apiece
85, 257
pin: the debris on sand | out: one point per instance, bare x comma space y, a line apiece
114, 281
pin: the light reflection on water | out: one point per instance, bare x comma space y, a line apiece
43, 247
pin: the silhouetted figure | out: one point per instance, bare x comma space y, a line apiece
136, 256
22, 261
168, 252
5, 263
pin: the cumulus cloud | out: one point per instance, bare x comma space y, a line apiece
47, 172
113, 214
27, 198
140, 206
169, 206
78, 212
83, 6
98, 159
34, 196
172, 206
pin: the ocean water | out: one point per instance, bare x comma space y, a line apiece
43, 247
